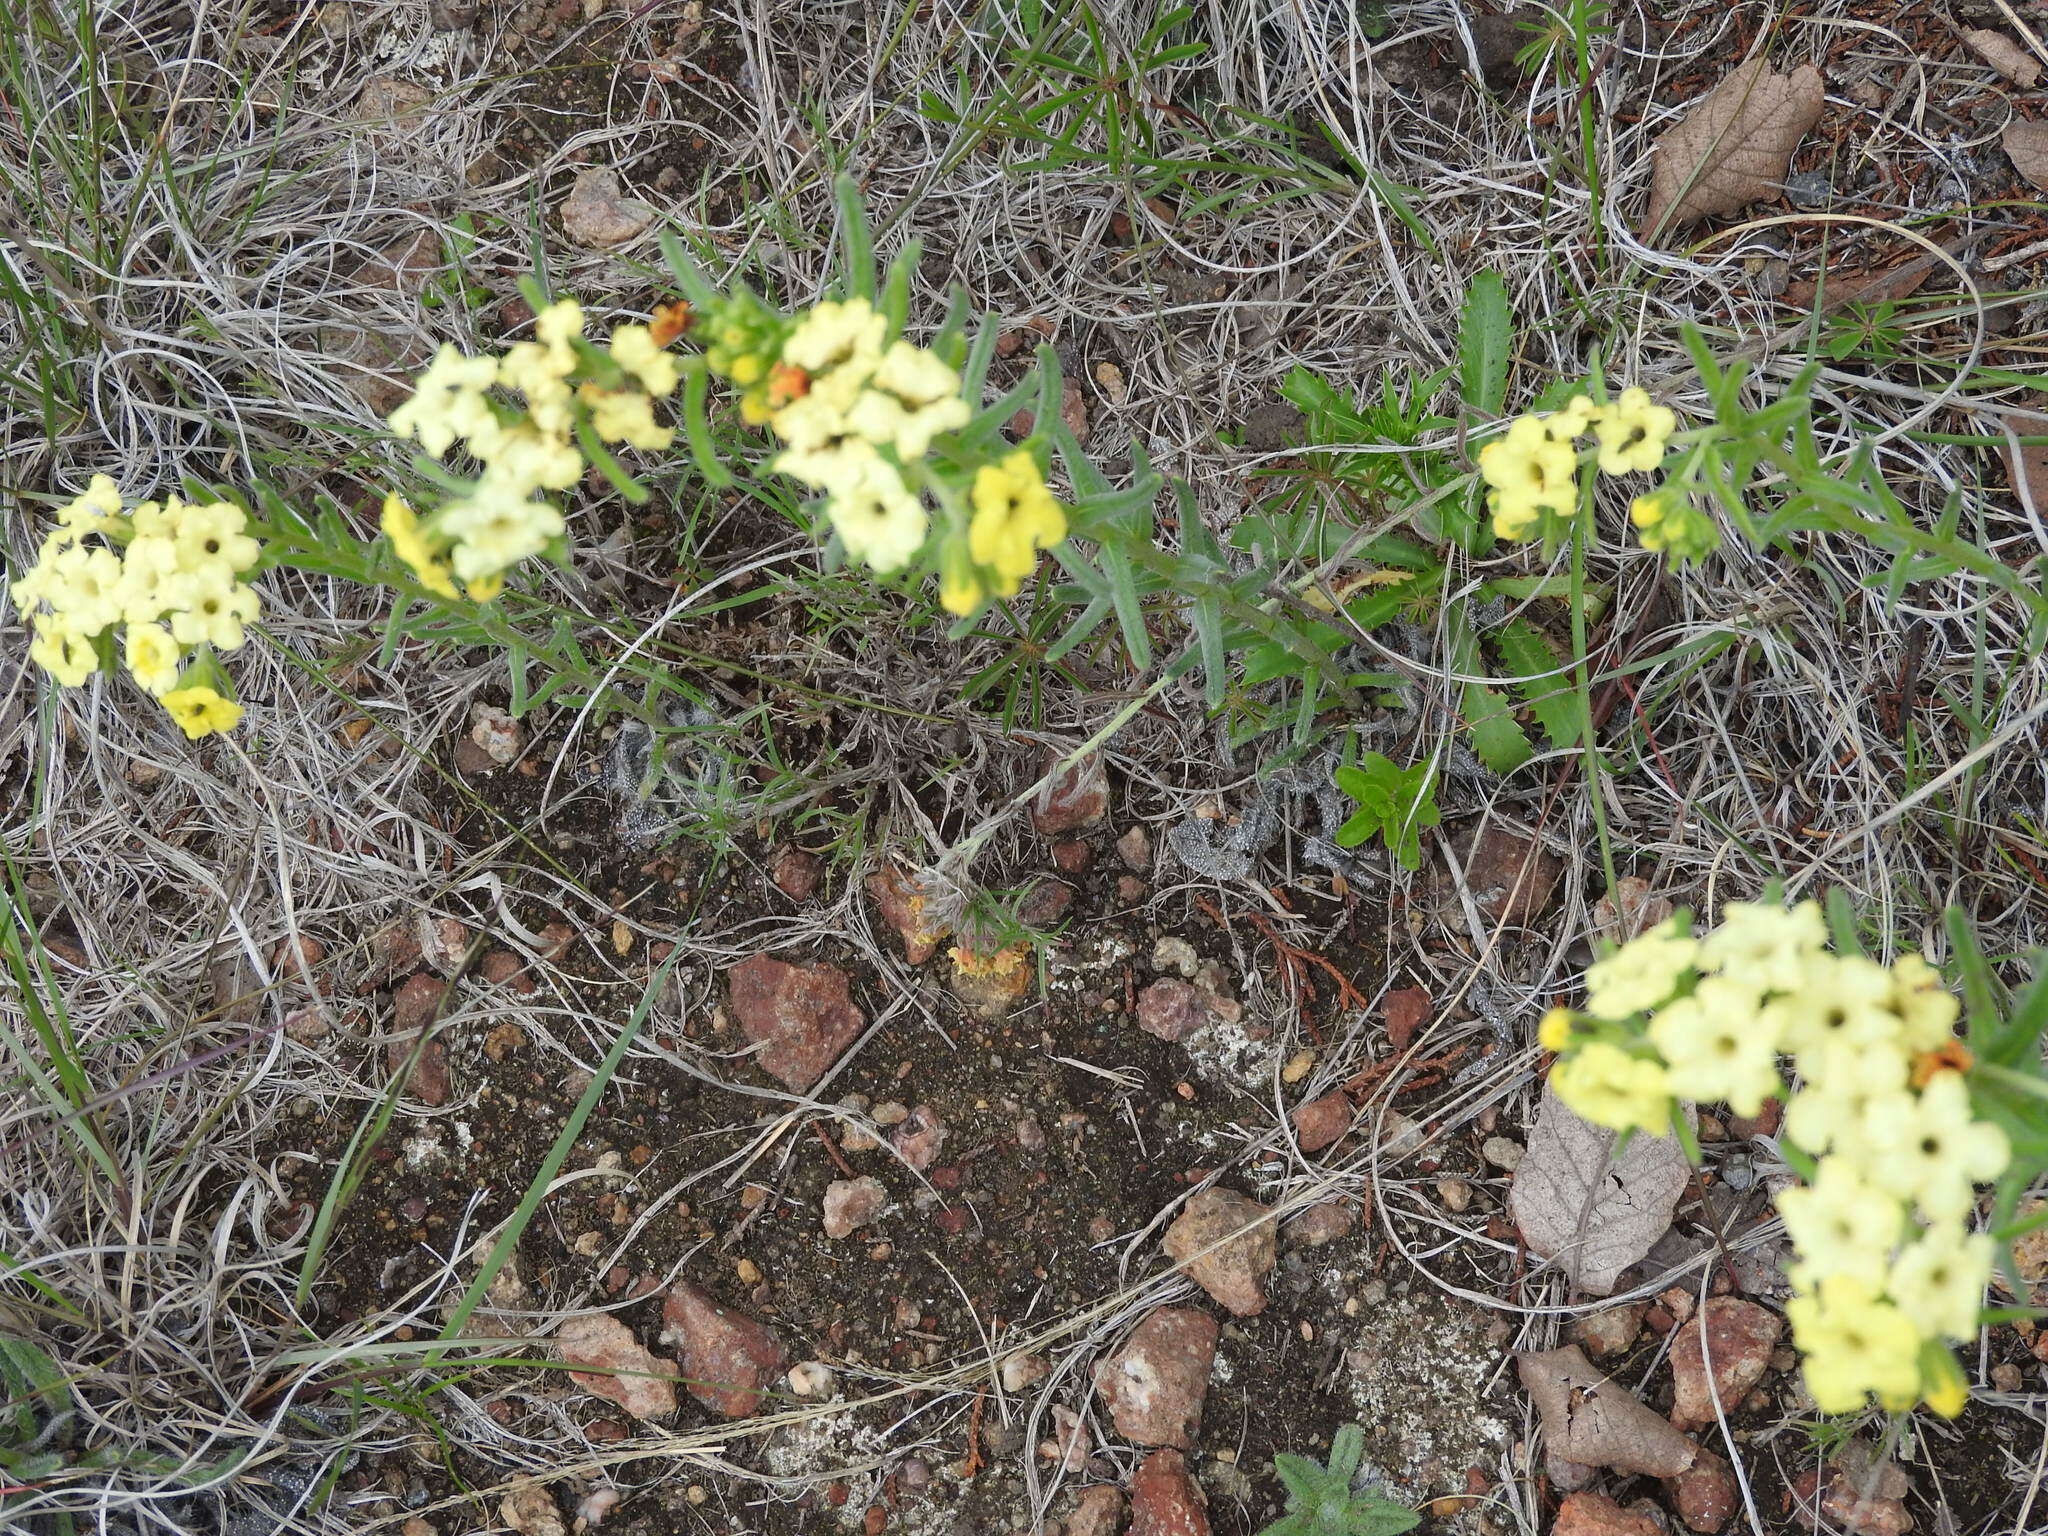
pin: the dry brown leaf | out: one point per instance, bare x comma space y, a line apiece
1888, 285
2004, 55
2027, 468
1733, 148
1595, 1213
1592, 1419
2027, 145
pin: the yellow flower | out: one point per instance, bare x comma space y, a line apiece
1841, 1000
1715, 1048
1641, 974
211, 533
911, 399
1939, 1282
63, 652
1632, 433
1937, 1152
92, 510
1927, 1013
633, 349
1767, 946
834, 334
448, 401
83, 587
1669, 520
483, 588
1855, 1343
1609, 1087
210, 607
200, 711
1942, 1383
402, 528
1854, 1095
1841, 1223
496, 526
152, 657
1555, 1032
625, 416
1531, 469
1573, 418
1015, 516
874, 513
960, 587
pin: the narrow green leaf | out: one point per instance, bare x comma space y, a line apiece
1485, 334
1501, 743
1548, 692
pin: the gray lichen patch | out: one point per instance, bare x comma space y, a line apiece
1418, 1367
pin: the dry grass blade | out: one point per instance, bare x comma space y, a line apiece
1733, 147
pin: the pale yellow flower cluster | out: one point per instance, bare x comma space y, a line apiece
526, 451
1534, 468
168, 575
856, 410
1887, 1269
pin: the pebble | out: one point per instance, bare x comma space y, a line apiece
597, 215
2006, 1377
802, 1016
1705, 1494
1165, 1499
1738, 1336
1610, 1330
1299, 1065
1171, 1010
728, 1359
1019, 1371
1594, 1514
1809, 189
796, 874
1155, 1384
1098, 1511
1135, 849
812, 1378
1173, 953
902, 900
1322, 1121
1322, 1223
1456, 1195
1075, 797
1233, 1234
1502, 1153
850, 1204
531, 1511
919, 1138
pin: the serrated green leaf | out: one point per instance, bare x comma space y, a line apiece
1548, 693
1485, 335
1500, 742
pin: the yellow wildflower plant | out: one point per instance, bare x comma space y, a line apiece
527, 450
1632, 432
156, 586
1015, 517
199, 710
1886, 1270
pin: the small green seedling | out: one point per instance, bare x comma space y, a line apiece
1395, 802
1320, 1501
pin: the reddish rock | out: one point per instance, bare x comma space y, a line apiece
603, 1357
1225, 1242
1610, 1330
1594, 1514
1406, 1011
1155, 1384
1321, 1121
802, 1015
1739, 1338
555, 940
1071, 857
502, 968
797, 874
1323, 1222
1764, 1122
1075, 797
1165, 1500
393, 952
902, 902
1864, 1495
728, 1359
1045, 903
413, 1008
918, 1139
851, 1204
1097, 1511
1705, 1495
1511, 877
1171, 1009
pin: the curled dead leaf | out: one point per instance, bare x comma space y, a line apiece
1592, 1419
2004, 55
1733, 147
2026, 145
